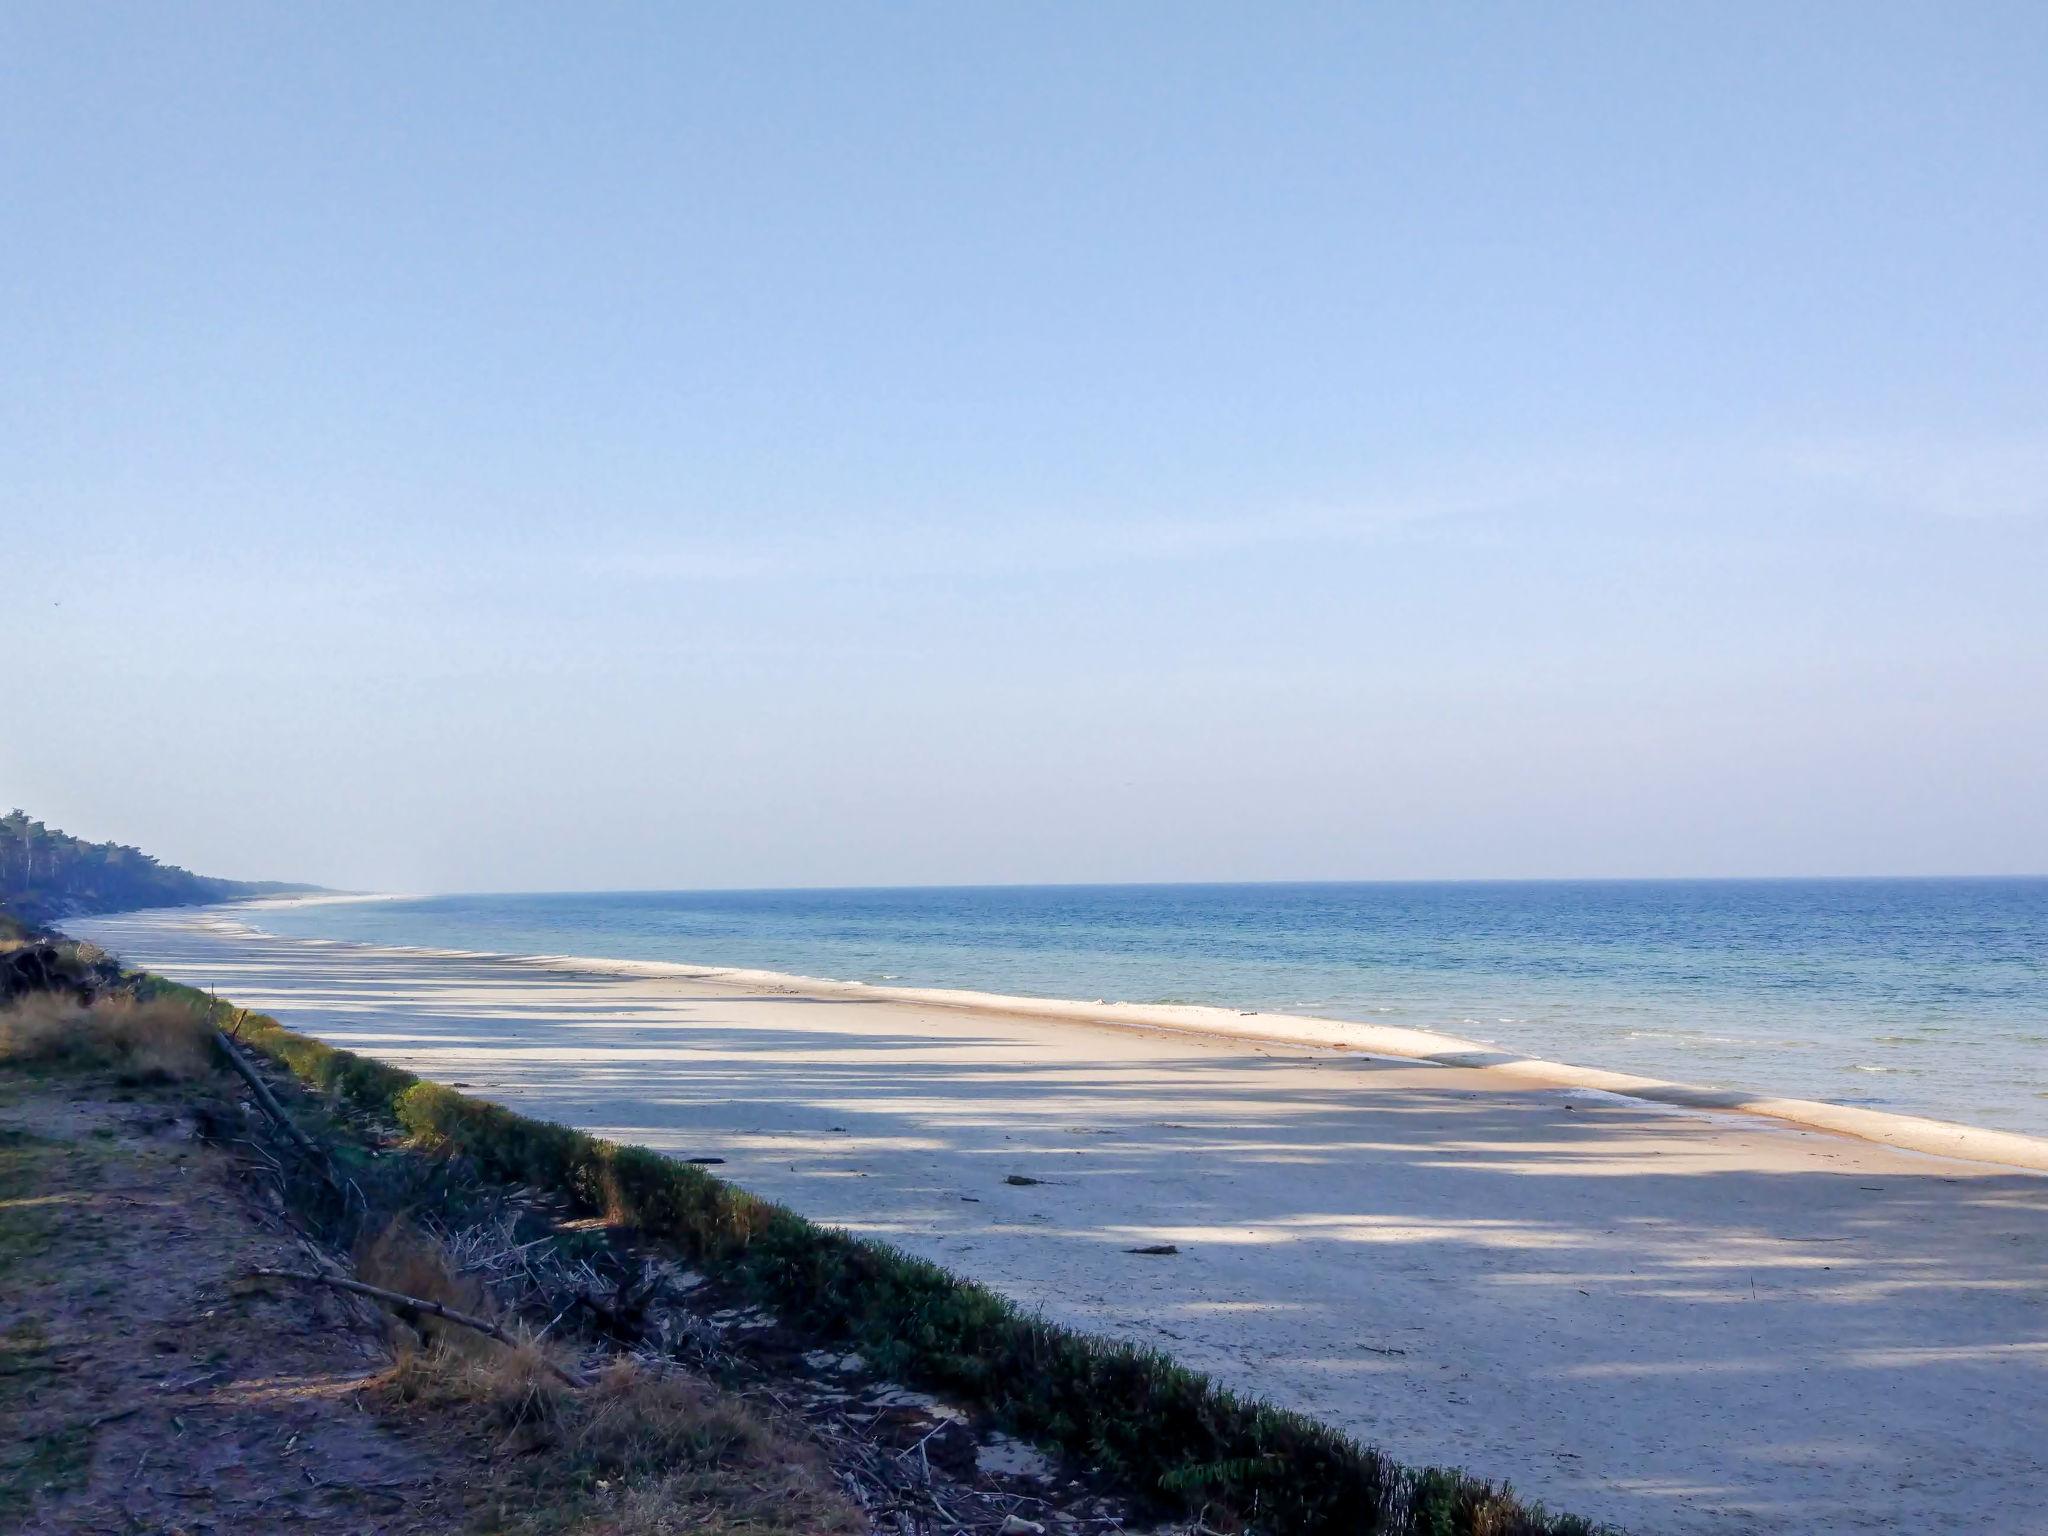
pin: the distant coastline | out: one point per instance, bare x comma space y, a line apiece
47, 874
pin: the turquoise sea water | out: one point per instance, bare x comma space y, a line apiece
1925, 996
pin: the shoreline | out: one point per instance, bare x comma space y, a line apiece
1888, 1128
1676, 1319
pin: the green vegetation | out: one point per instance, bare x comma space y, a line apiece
45, 874
638, 1448
1155, 1425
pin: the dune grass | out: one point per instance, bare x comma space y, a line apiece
137, 1040
634, 1453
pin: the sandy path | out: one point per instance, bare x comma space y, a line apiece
1678, 1321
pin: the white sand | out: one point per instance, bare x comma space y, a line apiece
1676, 1319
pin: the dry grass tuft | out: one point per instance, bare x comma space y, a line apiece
665, 1453
400, 1257
639, 1452
631, 1420
513, 1389
157, 1041
441, 1364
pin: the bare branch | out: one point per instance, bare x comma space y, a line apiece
420, 1304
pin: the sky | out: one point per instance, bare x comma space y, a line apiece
527, 447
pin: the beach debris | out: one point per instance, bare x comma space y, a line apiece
267, 1101
1022, 1180
404, 1304
1155, 1248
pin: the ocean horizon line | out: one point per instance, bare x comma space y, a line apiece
2021, 877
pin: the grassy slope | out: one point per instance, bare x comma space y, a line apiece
1165, 1430
128, 1234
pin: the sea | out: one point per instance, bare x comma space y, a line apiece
1924, 996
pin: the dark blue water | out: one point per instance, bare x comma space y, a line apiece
1928, 996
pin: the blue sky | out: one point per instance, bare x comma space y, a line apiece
751, 445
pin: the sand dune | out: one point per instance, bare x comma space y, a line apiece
1677, 1319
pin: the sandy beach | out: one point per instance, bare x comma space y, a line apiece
1651, 1309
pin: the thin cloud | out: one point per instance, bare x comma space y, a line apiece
2000, 481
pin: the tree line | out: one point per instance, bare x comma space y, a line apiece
47, 874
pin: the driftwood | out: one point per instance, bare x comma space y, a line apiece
268, 1102
403, 1302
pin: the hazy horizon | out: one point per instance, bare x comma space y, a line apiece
1003, 885
1961, 877
781, 448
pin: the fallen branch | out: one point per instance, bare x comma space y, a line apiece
268, 1102
403, 1302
